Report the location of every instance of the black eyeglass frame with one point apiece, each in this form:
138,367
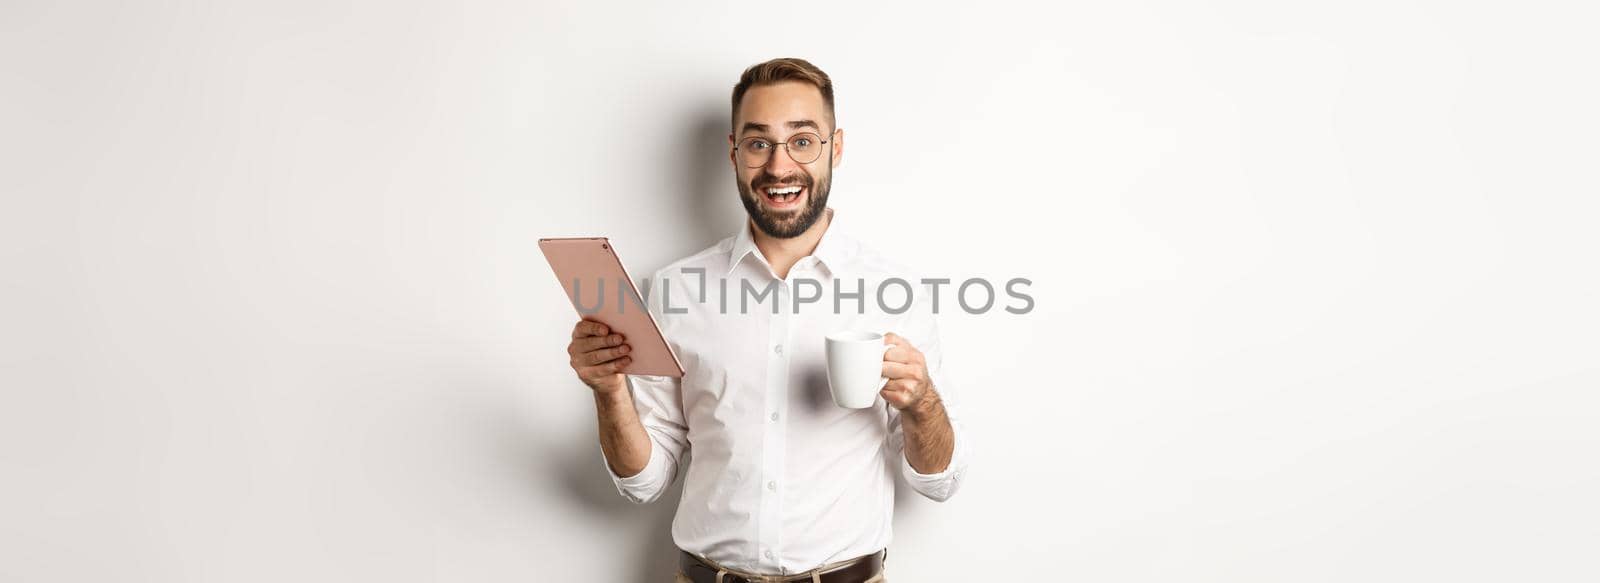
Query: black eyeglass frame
786,150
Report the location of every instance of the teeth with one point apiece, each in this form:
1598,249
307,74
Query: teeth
789,190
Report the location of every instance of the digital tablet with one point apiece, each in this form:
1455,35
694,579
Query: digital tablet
600,290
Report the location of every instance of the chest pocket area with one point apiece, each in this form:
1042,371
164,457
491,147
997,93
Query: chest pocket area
723,374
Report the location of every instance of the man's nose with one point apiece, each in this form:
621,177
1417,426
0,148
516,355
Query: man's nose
781,164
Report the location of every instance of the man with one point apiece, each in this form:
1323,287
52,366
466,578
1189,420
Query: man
783,484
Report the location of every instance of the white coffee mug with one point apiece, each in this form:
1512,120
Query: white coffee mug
855,368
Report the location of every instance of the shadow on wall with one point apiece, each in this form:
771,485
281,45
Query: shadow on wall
711,208
586,481
711,211
643,543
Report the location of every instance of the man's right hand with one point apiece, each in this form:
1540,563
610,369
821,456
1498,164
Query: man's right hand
598,356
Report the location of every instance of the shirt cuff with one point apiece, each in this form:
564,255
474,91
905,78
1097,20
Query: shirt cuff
644,486
938,486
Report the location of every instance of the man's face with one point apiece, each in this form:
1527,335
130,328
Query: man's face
777,113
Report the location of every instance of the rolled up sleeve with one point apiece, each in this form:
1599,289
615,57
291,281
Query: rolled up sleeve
938,486
656,399
922,331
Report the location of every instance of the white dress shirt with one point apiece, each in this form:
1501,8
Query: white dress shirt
781,479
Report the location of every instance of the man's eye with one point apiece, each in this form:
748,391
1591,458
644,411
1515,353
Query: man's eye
802,143
759,145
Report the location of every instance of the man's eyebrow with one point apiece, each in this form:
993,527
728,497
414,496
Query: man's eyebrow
751,126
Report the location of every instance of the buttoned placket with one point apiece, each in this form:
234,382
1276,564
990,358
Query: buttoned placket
774,443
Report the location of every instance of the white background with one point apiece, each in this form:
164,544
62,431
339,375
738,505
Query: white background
1316,285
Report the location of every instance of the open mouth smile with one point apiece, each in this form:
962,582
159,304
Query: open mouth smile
783,197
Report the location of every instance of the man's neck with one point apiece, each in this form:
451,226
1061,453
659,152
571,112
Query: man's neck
782,254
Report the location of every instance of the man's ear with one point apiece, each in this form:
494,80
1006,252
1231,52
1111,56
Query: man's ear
731,153
838,147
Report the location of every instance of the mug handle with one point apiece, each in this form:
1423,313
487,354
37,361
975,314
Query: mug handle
884,381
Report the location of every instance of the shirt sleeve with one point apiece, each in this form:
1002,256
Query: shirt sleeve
659,402
922,331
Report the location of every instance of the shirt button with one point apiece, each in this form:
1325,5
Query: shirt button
778,349
774,416
772,486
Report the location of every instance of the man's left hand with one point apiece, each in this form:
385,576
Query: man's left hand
909,388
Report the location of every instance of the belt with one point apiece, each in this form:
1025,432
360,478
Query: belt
855,570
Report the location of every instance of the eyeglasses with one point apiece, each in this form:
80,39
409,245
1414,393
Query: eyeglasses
804,148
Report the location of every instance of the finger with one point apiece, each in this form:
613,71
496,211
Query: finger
898,340
589,328
617,365
592,343
903,353
895,395
591,373
900,370
906,386
594,357
893,399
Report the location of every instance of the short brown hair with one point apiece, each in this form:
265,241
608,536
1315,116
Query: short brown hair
778,70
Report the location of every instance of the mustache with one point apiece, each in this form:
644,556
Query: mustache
768,180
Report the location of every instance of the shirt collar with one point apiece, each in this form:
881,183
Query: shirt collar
832,251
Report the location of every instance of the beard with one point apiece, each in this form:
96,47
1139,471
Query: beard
786,224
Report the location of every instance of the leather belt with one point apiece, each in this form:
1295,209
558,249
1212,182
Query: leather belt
856,570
